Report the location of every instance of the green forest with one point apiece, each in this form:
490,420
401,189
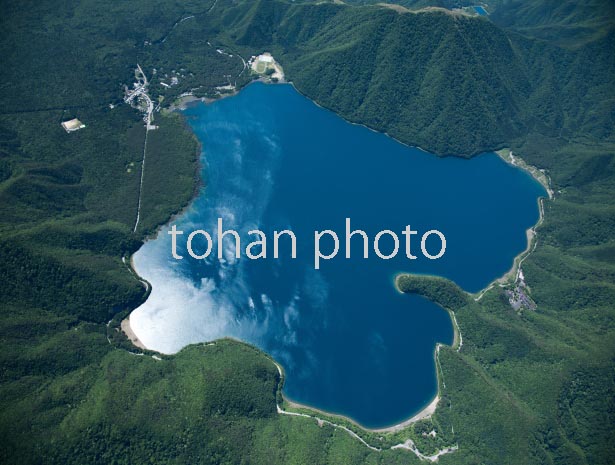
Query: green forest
527,387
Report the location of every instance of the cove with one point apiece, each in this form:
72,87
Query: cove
347,340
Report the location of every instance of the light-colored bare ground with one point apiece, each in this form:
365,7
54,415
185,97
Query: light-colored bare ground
127,330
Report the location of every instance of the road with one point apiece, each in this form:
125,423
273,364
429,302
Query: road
140,91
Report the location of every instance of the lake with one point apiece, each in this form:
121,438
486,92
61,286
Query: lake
347,340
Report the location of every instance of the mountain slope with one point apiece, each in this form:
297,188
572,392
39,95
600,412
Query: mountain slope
567,22
467,89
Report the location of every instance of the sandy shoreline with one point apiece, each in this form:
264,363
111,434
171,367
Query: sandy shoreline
127,330
427,412
424,413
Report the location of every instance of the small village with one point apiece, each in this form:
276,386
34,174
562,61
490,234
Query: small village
518,296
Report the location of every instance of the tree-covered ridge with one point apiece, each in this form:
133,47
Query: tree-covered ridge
439,290
567,23
471,87
526,388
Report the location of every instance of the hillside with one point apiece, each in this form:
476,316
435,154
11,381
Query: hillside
468,89
566,23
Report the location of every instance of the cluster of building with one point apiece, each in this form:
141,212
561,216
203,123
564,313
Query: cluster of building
518,297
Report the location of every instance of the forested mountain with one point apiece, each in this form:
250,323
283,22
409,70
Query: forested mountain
471,87
566,23
527,388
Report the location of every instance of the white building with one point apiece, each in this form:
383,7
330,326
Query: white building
72,125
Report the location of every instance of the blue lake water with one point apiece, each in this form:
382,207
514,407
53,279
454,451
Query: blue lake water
348,341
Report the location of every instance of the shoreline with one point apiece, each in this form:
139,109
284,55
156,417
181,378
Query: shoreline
513,272
183,102
531,234
127,330
428,410
457,339
424,413
539,175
